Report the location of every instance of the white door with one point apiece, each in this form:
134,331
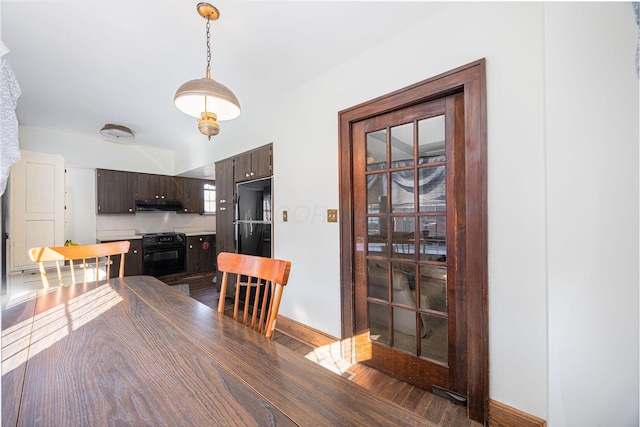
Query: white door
36,206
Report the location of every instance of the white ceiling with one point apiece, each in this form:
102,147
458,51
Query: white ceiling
82,64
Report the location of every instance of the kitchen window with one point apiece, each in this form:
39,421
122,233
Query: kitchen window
209,199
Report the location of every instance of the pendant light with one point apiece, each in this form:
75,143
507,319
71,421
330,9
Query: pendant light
205,98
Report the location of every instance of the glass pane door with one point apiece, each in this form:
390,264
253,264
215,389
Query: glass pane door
407,241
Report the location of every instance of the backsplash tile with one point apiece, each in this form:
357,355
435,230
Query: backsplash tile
154,222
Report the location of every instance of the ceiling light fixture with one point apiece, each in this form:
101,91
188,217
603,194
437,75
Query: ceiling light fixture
370,158
205,98
117,133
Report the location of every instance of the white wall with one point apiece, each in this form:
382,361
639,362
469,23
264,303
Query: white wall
80,212
94,152
592,192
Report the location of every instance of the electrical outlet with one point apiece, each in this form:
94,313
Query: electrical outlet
332,215
285,216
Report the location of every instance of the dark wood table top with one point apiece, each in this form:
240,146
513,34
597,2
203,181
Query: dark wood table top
135,352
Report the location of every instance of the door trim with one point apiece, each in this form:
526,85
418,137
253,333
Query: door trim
471,80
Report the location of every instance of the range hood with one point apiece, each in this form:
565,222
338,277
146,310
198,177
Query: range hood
146,205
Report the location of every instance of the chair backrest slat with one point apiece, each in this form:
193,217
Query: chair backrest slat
59,254
267,276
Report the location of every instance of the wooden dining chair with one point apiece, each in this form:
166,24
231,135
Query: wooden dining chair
81,256
266,276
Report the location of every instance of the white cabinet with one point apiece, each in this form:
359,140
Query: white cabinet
36,206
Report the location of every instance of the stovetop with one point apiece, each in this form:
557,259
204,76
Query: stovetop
164,233
165,238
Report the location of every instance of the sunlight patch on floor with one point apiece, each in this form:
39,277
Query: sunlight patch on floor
328,356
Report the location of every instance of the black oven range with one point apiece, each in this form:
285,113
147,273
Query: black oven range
163,253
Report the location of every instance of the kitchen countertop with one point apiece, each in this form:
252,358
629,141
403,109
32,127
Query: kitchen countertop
113,235
200,233
114,238
194,231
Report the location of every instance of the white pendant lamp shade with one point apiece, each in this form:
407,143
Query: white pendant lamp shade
199,95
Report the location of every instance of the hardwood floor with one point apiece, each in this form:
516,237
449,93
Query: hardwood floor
201,287
431,407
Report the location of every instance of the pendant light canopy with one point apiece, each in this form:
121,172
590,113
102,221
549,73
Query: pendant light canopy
205,98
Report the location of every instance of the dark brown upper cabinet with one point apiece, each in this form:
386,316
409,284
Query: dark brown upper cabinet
254,164
152,186
116,191
192,194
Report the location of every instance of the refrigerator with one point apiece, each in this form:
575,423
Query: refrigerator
253,225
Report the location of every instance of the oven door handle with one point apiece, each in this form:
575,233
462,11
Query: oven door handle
162,248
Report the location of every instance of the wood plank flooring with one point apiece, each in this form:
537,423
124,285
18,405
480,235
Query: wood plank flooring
421,402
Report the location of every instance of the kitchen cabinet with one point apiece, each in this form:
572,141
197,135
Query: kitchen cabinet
132,261
152,186
201,252
254,164
192,194
225,187
116,191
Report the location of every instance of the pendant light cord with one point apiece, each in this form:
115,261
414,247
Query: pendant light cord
208,62
208,48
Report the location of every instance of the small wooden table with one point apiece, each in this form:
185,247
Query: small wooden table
135,352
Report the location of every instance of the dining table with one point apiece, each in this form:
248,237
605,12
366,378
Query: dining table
133,351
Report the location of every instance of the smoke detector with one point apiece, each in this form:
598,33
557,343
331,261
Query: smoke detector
117,133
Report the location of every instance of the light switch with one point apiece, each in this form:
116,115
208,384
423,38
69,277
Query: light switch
285,216
332,215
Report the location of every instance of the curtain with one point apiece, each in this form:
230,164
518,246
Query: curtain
430,181
9,93
636,8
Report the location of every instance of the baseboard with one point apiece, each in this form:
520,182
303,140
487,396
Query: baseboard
304,333
501,415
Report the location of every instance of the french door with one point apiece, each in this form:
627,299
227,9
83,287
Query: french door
413,231
407,297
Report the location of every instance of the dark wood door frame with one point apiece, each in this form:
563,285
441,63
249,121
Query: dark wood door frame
470,79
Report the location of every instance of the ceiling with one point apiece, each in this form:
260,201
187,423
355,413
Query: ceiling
82,64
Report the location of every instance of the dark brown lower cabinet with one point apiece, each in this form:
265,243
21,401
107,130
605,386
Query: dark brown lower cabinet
133,260
201,252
